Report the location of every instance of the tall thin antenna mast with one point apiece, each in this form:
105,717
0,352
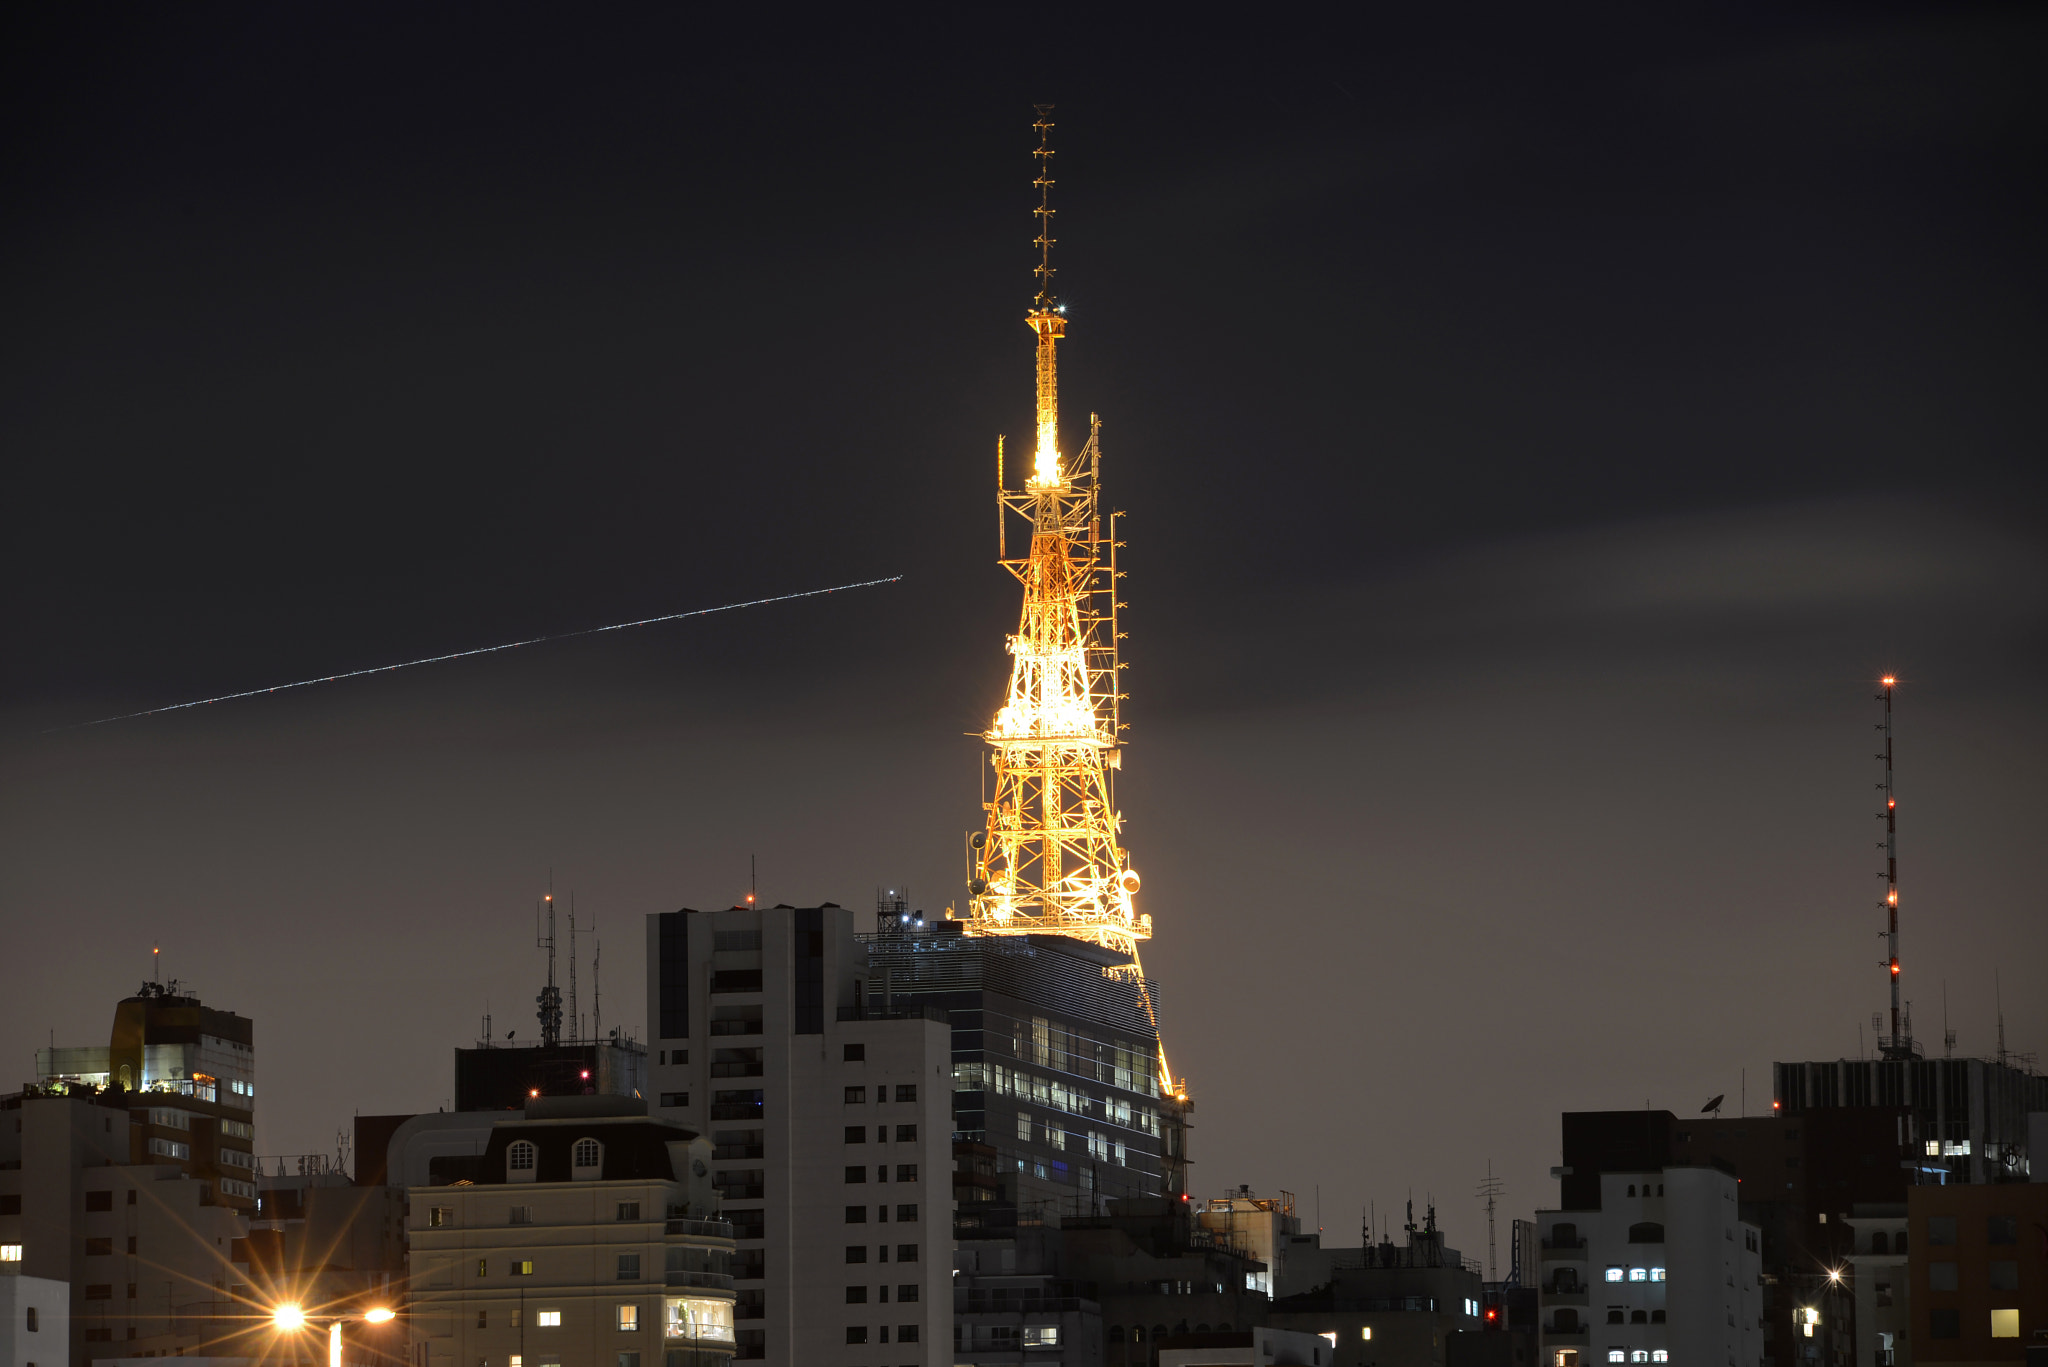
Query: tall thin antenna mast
1998,997
575,1020
596,987
1492,1188
550,998
1900,1045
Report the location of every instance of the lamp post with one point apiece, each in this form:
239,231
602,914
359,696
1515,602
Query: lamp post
291,1318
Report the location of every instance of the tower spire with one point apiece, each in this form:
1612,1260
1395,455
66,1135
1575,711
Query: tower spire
1900,1043
1048,860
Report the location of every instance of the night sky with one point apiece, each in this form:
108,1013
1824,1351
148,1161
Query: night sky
1538,431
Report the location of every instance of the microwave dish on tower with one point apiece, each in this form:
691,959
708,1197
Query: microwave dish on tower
1049,859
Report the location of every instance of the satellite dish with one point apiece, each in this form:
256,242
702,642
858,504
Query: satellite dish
1714,1105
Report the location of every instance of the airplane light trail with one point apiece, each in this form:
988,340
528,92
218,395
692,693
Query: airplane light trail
480,650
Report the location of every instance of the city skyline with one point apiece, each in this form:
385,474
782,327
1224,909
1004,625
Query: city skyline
1506,604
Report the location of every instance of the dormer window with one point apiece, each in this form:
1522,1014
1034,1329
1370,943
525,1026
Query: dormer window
519,1161
587,1160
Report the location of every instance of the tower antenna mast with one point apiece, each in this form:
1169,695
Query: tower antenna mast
1492,1188
550,998
1900,1042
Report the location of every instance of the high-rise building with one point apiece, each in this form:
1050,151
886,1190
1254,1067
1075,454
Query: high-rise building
188,1073
830,1116
1966,1118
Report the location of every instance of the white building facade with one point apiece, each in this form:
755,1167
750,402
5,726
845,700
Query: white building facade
1663,1271
37,1314
831,1128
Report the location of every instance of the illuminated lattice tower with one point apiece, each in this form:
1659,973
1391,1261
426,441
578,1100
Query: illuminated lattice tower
1048,860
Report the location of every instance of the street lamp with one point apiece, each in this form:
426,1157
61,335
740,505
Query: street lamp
291,1318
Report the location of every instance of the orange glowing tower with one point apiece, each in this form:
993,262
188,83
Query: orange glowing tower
1049,861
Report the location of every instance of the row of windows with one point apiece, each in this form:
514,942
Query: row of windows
1948,1324
1941,1230
858,1172
858,1253
858,1215
1635,1274
858,1096
1053,1135
1005,1081
1639,1355
858,1333
94,1248
858,1134
2001,1274
520,1157
625,1319
905,1293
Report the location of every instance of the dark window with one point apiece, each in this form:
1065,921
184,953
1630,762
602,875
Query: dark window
854,1053
99,1200
100,1291
1648,1232
1943,1276
857,1172
131,1243
1656,1317
2004,1274
906,1333
1632,1189
10,1205
1941,1231
1791,1162
96,1248
2002,1229
131,1198
1879,1243
906,1253
856,1333
1944,1324
807,1006
483,1319
736,980
33,1327
751,1223
1567,1322
1614,1316
629,1210
906,1091
630,1359
856,1253
1564,1236
857,1295
856,1134
856,1215
1638,1317
675,975
131,1291
1899,1244
907,1292
906,1212
906,1172
629,1267
856,1096
675,1098
905,1133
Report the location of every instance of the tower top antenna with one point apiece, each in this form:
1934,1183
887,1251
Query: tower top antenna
1900,1042
1045,211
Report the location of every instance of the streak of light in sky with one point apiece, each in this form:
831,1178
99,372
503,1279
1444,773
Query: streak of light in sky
480,650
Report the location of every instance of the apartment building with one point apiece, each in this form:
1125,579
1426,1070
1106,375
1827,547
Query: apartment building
1978,1270
587,1236
1658,1268
831,1125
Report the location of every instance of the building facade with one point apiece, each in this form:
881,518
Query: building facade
1879,1280
1977,1260
830,1117
587,1237
1394,1303
1660,1268
36,1314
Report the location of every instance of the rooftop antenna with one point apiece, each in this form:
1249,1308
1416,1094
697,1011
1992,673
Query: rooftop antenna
1492,1188
1900,1045
753,881
1998,996
550,998
596,990
575,1020
156,964
1948,1036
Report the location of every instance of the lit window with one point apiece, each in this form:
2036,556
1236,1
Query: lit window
548,1319
695,1317
1616,1355
1660,1355
1366,1333
1934,1148
629,1319
1639,1355
1615,1274
515,1361
586,1155
10,1253
1639,1274
523,1267
2005,1324
1048,1335
519,1158
1656,1274
441,1215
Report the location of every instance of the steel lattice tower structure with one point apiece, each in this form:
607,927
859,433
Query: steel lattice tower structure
1899,1044
1048,861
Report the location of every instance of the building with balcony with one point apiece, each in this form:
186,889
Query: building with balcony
1878,1278
587,1235
1657,1267
1398,1303
829,1112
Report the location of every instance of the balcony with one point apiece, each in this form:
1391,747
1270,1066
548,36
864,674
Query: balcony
1567,1337
735,1070
735,1193
724,1151
735,1027
1577,1295
1555,1250
702,1229
716,1281
737,1110
736,980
